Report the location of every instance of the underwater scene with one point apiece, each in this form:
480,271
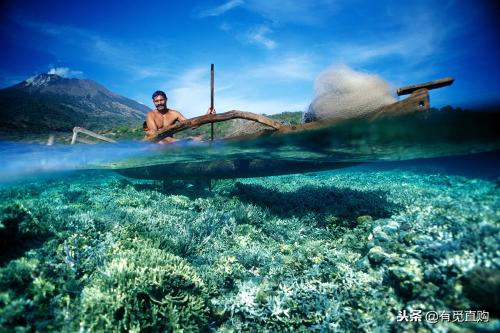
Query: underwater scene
253,166
380,226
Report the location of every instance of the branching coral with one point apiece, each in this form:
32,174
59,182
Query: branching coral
143,288
340,251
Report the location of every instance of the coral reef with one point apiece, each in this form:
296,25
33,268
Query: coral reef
143,288
482,286
323,252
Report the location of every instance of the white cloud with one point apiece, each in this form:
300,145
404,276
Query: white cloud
288,67
221,9
98,49
280,11
64,72
275,14
292,11
414,38
190,94
258,36
128,58
412,50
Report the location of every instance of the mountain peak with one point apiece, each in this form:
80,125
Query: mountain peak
42,80
60,85
52,102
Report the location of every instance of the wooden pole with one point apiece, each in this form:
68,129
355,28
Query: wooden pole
75,133
212,99
427,85
77,130
208,118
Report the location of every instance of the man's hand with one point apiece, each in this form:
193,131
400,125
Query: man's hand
150,133
167,140
211,111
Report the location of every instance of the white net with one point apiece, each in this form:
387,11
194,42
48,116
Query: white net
342,93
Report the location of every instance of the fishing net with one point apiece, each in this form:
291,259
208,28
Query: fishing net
342,93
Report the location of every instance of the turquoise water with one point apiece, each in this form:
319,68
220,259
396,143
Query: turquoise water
409,137
85,249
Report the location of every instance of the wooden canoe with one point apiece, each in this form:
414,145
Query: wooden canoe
417,102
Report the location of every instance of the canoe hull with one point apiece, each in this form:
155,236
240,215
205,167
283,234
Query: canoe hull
227,169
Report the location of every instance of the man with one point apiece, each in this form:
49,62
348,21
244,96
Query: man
163,117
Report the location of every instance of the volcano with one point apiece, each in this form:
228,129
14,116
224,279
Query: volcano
49,102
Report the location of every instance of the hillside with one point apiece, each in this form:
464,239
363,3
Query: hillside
48,102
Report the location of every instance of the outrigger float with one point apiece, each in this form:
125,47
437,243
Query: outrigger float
417,102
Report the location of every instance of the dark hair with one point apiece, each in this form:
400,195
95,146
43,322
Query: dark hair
159,93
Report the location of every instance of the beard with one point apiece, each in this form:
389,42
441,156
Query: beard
161,107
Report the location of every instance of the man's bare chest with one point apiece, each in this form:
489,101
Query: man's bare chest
164,120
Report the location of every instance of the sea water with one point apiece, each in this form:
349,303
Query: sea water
407,240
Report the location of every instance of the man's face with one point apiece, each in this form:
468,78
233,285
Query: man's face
160,103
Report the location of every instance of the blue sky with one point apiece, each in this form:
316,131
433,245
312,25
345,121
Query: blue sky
267,54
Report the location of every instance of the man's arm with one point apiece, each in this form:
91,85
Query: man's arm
180,117
209,111
150,122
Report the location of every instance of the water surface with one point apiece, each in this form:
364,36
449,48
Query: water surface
415,227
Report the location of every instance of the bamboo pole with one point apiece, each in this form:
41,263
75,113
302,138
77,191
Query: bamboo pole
212,99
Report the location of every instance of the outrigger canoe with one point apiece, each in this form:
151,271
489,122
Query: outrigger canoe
416,103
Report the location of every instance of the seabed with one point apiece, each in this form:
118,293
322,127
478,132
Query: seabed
341,251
